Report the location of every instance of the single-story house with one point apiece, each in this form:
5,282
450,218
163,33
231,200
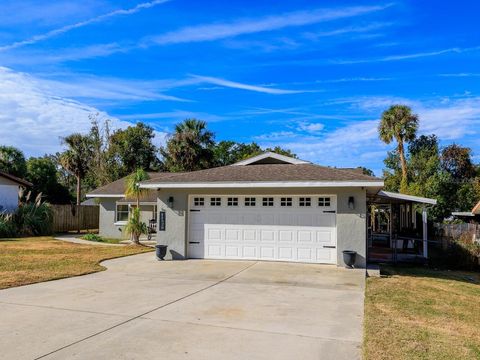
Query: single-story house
9,189
268,207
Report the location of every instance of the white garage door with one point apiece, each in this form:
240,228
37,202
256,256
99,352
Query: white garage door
281,228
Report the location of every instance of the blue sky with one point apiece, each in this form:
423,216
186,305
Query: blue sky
310,76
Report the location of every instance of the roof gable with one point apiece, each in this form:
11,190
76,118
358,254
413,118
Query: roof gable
15,179
270,158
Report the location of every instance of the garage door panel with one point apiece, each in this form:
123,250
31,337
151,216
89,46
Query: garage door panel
232,235
305,236
324,237
250,235
292,233
232,251
325,255
267,235
286,236
214,251
250,252
285,253
267,252
304,254
214,234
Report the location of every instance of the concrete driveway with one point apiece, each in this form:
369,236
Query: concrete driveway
144,309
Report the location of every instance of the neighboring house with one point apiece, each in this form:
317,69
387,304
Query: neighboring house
9,189
269,207
469,216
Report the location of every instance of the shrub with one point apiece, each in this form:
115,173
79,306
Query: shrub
33,218
29,219
7,226
93,237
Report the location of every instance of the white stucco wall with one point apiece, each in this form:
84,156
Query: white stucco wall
8,195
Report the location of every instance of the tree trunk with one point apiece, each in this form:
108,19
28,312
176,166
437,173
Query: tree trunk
79,190
136,239
403,163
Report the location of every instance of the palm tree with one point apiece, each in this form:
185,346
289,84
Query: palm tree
135,227
190,147
77,158
132,187
399,123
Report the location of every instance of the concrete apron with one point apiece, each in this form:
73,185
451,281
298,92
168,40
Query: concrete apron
144,309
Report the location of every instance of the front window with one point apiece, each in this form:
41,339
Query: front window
122,213
286,201
232,201
250,201
215,201
198,201
324,201
305,201
267,201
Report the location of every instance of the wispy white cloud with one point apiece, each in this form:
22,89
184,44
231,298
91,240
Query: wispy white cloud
174,116
311,127
463,74
80,24
216,31
318,35
104,88
454,50
35,120
237,85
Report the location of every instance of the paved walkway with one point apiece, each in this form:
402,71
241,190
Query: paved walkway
141,308
76,240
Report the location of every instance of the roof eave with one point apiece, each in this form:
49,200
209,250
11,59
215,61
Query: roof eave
104,195
261,184
418,199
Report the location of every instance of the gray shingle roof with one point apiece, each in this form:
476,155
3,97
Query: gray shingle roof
264,173
118,188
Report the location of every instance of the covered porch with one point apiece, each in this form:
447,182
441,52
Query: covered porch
397,227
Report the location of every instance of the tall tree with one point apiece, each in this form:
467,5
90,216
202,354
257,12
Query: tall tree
457,161
77,158
12,161
399,123
132,148
189,148
100,173
43,174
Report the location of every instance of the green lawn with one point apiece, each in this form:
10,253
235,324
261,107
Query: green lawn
36,259
417,313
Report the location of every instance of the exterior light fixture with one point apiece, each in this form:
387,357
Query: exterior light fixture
351,202
170,201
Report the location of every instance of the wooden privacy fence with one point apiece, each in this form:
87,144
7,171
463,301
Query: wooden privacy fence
74,217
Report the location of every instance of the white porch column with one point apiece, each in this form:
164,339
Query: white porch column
425,235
